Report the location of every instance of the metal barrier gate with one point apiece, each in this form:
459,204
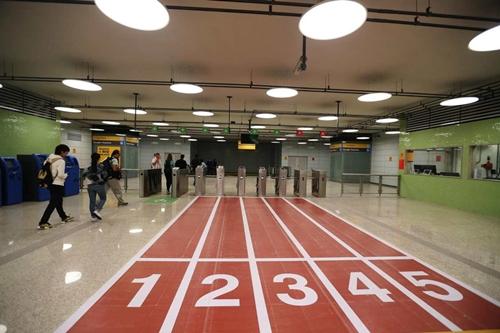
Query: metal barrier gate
149,182
261,182
240,182
319,183
199,181
280,188
180,182
220,180
300,183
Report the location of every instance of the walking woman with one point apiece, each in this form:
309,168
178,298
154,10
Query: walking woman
169,164
97,176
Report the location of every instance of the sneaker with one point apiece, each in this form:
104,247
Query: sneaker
122,203
68,219
97,214
44,226
93,219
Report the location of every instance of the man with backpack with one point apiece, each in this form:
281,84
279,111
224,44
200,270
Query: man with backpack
112,166
53,176
97,176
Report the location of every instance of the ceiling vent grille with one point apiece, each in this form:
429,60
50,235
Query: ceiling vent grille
23,101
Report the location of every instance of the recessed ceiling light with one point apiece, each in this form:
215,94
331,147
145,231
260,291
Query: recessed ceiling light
280,139
108,122
374,97
387,120
258,126
152,135
218,137
363,138
96,129
459,101
66,109
185,136
326,136
135,130
265,115
332,19
275,142
313,140
137,111
350,130
141,15
302,143
305,128
392,132
290,135
185,88
281,92
328,118
82,85
164,139
192,139
211,125
119,134
161,124
63,121
488,40
221,140
203,113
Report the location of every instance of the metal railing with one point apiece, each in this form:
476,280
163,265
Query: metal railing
357,178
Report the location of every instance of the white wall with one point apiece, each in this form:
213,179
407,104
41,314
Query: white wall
80,143
318,155
385,158
148,147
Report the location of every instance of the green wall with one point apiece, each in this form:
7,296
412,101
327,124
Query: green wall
24,134
479,196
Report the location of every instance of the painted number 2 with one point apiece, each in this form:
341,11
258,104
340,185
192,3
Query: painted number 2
210,299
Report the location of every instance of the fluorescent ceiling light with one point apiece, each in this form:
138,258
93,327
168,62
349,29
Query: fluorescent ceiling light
97,129
63,121
374,97
305,128
275,142
82,85
152,135
363,138
148,15
66,109
459,101
350,130
203,113
185,88
137,111
218,137
107,122
488,40
193,140
161,124
221,140
280,139
332,19
326,136
135,130
265,115
164,139
302,143
387,120
119,134
392,132
211,125
281,92
328,118
185,136
258,126
313,140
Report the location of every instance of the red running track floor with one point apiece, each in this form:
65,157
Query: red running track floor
277,265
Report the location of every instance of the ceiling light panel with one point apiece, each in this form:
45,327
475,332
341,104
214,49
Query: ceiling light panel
147,15
350,130
211,125
108,122
265,115
161,124
258,126
328,118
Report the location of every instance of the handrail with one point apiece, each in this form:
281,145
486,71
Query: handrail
361,175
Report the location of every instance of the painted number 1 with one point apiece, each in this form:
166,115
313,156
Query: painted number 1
148,284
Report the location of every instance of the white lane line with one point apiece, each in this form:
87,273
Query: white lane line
260,301
350,314
446,275
99,293
173,311
429,309
273,259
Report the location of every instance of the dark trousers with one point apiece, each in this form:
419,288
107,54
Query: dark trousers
56,202
169,181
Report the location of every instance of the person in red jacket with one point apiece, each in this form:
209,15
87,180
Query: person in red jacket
488,166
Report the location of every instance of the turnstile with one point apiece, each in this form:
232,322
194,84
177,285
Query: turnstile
200,184
149,182
240,183
220,180
319,183
261,182
281,182
300,183
12,181
180,182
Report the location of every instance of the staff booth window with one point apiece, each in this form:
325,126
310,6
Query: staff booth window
435,161
485,162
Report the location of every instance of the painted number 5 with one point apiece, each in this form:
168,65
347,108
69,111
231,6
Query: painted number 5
452,295
310,296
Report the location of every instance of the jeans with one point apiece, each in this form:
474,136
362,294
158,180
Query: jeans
56,202
94,190
169,181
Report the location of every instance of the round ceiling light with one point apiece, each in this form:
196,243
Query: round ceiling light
161,124
152,135
135,130
211,125
374,97
326,136
96,129
221,140
392,132
302,143
488,40
363,138
265,115
275,142
305,128
107,122
313,140
203,113
290,135
387,120
185,136
193,140
82,85
350,130
218,137
66,109
258,126
328,118
136,111
164,139
459,101
280,139
64,121
186,88
147,15
119,134
281,92
326,144
332,19
1,85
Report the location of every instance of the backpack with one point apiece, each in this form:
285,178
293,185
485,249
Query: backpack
109,170
44,175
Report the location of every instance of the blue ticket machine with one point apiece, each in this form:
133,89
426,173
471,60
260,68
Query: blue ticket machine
31,164
72,184
12,181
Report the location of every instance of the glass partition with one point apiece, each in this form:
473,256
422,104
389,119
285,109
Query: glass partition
435,161
485,160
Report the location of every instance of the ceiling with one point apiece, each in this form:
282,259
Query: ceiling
54,40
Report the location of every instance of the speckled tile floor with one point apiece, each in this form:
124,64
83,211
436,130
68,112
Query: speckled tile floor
46,275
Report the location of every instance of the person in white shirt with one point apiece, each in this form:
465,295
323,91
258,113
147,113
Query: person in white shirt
156,161
56,189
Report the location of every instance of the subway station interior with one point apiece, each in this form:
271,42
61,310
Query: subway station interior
249,166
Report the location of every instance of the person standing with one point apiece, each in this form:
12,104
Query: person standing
169,164
98,176
156,161
56,188
113,164
181,163
488,166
